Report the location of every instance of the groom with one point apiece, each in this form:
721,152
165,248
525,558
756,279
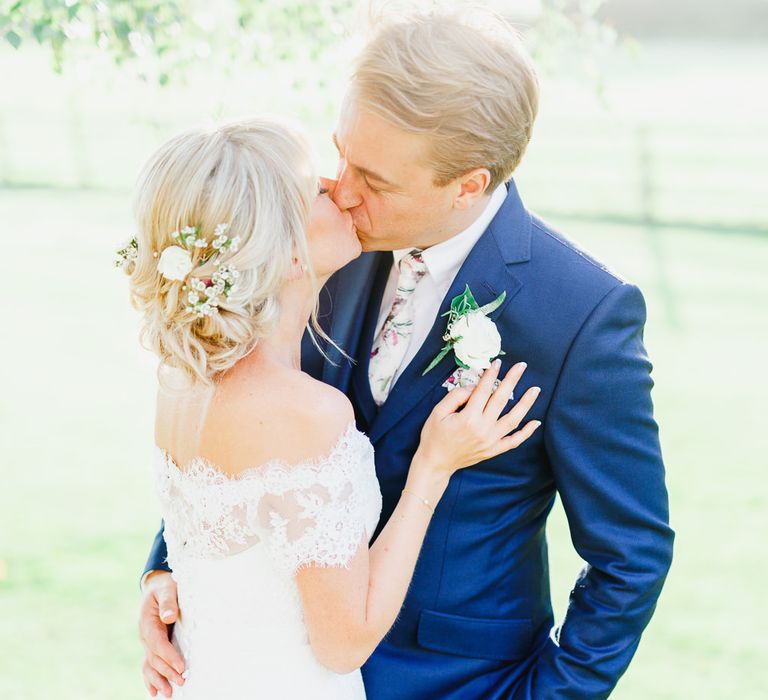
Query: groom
437,117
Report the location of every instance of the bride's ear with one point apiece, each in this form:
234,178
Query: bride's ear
297,269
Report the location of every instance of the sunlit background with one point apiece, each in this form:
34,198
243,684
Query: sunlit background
651,151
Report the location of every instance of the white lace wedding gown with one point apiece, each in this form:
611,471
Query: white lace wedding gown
234,545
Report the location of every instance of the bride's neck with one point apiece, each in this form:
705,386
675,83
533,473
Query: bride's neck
283,345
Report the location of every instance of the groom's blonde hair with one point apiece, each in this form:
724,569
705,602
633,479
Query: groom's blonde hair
462,79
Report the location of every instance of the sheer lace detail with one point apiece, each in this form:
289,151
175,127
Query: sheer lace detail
316,512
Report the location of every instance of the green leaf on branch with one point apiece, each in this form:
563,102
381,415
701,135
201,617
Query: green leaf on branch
13,39
470,299
42,30
446,349
464,303
495,304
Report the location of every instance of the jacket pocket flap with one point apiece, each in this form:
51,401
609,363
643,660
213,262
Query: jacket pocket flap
473,637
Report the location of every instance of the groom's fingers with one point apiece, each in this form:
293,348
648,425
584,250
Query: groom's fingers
154,681
154,637
160,648
162,668
167,605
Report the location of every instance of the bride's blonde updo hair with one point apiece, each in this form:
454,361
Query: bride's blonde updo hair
257,176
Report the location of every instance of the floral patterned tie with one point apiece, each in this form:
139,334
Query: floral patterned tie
391,343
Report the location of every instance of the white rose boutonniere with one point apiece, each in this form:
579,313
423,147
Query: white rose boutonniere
472,336
476,340
175,263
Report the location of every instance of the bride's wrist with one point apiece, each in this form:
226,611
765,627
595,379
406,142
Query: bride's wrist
426,482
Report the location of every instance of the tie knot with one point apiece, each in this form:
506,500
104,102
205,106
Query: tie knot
413,264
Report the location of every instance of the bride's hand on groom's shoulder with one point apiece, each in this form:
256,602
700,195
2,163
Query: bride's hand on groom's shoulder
467,427
159,609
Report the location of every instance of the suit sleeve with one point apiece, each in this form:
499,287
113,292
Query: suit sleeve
158,555
603,446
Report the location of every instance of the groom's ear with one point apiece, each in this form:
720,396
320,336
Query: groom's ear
472,187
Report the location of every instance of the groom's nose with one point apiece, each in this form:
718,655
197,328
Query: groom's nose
346,194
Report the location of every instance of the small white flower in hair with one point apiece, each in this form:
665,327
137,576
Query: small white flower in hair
175,263
127,255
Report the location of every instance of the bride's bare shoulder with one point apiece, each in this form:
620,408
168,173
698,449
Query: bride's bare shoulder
287,416
320,408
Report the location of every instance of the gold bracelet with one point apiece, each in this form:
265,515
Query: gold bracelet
423,501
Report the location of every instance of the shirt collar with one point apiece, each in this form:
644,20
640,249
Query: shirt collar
444,259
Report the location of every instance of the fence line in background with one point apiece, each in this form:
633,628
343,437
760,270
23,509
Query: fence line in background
605,172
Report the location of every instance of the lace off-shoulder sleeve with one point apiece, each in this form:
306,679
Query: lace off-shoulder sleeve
319,513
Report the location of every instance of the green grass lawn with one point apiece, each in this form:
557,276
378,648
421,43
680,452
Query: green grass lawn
77,511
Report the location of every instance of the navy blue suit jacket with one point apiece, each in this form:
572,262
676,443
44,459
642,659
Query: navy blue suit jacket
477,621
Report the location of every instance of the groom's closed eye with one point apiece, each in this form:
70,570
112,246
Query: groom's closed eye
381,183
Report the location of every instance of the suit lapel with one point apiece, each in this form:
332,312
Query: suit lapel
487,271
351,292
360,374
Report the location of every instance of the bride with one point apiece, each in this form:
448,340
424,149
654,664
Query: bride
268,491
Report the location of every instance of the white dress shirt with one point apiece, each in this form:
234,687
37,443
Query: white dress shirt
443,263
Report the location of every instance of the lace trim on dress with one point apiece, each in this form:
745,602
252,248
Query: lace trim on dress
314,512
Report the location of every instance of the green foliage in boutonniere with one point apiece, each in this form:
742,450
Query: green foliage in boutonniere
472,336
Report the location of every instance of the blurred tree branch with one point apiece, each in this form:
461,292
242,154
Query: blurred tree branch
172,33
575,27
162,37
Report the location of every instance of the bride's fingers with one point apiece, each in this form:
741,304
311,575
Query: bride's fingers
500,397
451,402
482,392
509,422
518,438
164,669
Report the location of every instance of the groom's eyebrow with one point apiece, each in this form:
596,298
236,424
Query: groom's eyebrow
370,174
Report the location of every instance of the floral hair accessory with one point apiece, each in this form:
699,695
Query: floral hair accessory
206,295
127,255
175,263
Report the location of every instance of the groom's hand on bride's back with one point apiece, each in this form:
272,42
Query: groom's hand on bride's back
159,609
